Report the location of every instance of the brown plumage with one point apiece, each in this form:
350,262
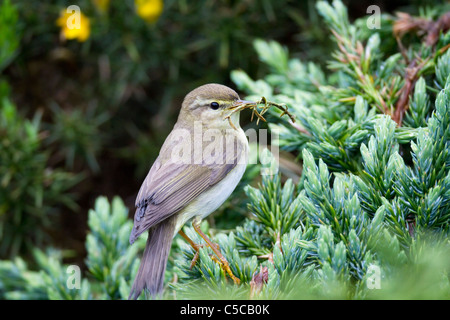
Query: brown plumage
174,192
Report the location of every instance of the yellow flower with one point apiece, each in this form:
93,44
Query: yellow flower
74,25
149,10
101,5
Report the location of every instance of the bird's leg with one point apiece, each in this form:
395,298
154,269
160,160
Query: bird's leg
215,248
194,245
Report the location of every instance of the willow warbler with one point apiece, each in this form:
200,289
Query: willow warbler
198,167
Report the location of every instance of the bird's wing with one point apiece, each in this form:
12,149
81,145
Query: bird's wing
169,187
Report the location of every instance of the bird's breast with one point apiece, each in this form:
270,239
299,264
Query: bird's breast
211,199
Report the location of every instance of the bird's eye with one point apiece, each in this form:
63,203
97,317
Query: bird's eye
214,105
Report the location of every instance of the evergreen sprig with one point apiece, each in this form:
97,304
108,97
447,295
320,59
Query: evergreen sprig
112,263
110,258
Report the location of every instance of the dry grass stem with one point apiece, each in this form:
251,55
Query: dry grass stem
259,113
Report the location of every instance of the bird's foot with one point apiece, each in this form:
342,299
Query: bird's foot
225,267
220,259
216,249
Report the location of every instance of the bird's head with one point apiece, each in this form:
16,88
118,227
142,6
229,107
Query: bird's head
210,104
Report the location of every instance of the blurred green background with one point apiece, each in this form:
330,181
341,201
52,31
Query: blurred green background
86,117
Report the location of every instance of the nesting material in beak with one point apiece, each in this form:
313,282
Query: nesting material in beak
239,105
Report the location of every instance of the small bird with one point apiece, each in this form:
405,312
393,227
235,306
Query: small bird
198,167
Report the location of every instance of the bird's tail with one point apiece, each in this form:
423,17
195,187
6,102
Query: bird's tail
153,263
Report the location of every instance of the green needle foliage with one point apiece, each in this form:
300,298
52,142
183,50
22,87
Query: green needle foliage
30,191
374,194
107,245
111,263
